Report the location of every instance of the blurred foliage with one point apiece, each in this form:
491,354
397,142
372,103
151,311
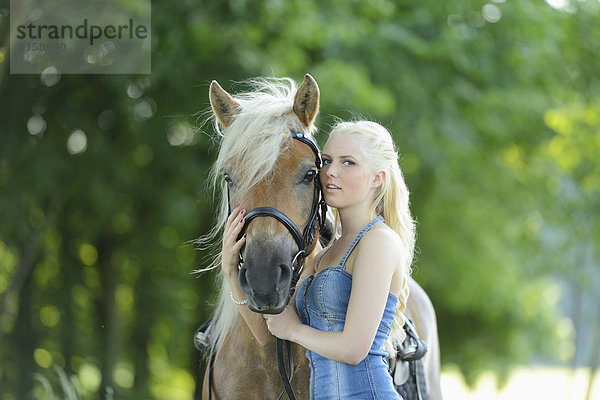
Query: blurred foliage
494,107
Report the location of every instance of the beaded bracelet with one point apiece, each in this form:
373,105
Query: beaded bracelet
239,303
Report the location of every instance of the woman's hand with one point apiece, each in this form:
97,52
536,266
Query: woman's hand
231,246
285,324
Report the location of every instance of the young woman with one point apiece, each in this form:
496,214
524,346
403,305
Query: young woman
348,309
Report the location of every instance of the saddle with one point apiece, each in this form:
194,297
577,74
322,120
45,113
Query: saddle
407,367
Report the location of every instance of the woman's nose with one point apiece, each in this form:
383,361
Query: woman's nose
330,170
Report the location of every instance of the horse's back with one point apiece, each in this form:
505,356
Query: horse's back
420,310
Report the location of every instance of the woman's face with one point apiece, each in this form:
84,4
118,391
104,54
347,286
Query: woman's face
345,176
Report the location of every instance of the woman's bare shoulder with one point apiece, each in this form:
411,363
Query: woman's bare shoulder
381,239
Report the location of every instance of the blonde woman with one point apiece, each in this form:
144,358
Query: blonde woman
349,307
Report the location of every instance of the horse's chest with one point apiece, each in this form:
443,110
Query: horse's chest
253,374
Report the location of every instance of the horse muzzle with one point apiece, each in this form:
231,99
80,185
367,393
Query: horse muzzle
266,277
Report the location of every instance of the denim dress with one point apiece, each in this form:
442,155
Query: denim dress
322,302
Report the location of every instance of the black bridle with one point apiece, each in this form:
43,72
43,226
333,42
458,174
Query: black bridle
304,241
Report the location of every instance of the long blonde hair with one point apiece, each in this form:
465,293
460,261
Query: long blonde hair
390,201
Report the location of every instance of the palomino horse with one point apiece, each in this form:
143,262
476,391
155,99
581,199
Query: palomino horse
263,166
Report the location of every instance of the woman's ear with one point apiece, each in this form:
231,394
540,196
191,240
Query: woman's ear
378,179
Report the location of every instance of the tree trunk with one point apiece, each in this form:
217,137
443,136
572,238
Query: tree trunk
27,261
111,342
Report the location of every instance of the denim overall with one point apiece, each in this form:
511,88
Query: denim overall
322,302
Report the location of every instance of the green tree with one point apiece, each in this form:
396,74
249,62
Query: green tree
493,106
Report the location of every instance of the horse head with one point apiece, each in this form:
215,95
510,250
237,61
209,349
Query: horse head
274,177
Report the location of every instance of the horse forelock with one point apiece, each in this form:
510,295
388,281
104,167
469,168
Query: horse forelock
250,147
251,144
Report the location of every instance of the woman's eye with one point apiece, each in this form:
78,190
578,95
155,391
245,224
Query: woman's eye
310,175
326,161
348,162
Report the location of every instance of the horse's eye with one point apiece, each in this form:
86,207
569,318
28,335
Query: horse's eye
227,177
310,175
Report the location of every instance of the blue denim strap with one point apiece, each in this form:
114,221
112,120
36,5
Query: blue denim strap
377,219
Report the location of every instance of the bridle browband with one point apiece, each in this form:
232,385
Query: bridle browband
304,241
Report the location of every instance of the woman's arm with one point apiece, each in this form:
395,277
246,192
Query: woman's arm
374,267
229,265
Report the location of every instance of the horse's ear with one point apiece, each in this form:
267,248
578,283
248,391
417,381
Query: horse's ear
306,101
223,105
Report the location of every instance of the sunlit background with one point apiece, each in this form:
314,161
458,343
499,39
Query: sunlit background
494,106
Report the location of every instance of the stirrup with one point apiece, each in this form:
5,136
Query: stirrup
413,348
202,336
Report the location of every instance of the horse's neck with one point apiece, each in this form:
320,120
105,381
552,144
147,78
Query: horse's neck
241,337
244,369
242,353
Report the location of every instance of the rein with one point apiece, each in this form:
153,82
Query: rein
304,240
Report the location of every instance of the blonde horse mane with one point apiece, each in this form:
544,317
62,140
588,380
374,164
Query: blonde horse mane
249,148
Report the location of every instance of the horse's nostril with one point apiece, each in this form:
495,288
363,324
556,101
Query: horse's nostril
243,280
285,272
